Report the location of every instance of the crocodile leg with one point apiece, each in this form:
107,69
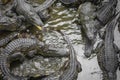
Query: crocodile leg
116,48
16,56
9,24
54,52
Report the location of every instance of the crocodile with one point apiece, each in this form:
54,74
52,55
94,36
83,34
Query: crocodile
92,21
44,5
86,17
20,44
26,10
107,56
10,24
41,9
9,21
30,46
106,11
38,9
8,38
74,68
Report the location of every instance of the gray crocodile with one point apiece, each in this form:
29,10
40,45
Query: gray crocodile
10,24
6,72
27,11
86,18
16,23
8,38
17,45
44,5
25,45
106,11
42,8
74,67
107,55
111,61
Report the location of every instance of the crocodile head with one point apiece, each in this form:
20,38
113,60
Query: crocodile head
89,31
86,16
35,20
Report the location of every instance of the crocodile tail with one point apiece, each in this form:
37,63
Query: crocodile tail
3,67
6,74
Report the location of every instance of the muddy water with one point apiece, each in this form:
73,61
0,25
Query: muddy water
63,18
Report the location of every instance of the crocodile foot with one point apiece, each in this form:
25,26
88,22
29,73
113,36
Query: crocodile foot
16,56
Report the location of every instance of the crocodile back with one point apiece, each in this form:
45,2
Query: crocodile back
20,44
8,38
26,10
71,72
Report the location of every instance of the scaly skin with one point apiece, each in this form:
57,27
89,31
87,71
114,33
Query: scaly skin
107,57
44,6
107,11
16,45
8,38
26,10
74,66
24,45
111,60
86,20
100,58
6,72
